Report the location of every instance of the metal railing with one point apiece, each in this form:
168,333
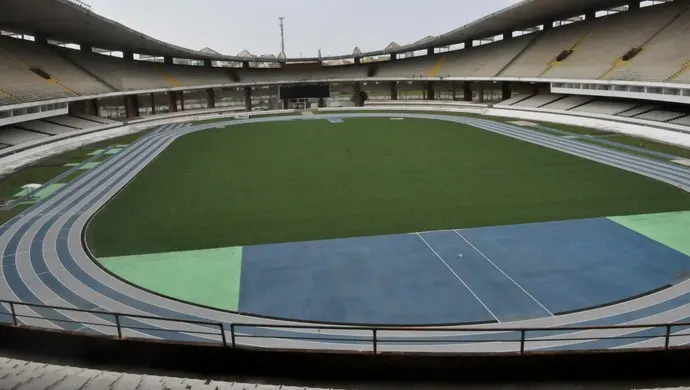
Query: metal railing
363,339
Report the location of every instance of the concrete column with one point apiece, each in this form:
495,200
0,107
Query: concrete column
248,98
152,97
286,104
358,60
480,94
245,64
590,15
92,107
394,56
41,39
469,43
548,25
430,51
507,35
634,5
127,55
535,89
430,93
505,91
467,91
168,60
358,94
180,94
131,106
453,86
86,48
210,98
208,63
322,103
172,101
394,90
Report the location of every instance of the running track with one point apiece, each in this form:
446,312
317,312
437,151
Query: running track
44,261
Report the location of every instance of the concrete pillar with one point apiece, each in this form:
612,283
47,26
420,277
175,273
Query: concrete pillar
358,60
430,93
358,94
507,35
245,64
634,5
91,107
430,51
394,90
505,91
548,25
480,94
180,94
469,43
172,101
453,86
168,60
41,39
208,63
535,89
210,98
467,91
322,103
131,106
286,104
394,56
127,55
152,97
86,48
248,98
590,15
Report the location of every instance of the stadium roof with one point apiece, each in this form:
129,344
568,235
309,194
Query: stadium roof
63,20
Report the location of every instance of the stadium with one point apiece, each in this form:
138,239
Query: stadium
504,201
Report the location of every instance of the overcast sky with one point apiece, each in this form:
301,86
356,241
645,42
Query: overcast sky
229,26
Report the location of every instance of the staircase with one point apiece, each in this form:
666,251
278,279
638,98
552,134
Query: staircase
59,52
571,49
521,53
686,66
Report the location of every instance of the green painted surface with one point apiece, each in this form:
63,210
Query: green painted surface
41,193
88,165
208,277
670,229
109,151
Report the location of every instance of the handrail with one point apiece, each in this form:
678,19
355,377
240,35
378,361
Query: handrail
375,331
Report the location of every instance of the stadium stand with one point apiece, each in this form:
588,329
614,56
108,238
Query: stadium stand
610,38
539,100
44,127
513,100
664,57
606,107
569,102
660,115
13,136
97,120
684,121
332,72
64,76
638,110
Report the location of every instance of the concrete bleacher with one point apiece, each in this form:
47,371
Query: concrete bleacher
609,38
72,80
538,100
664,56
684,121
661,115
568,102
97,119
13,136
638,110
331,72
44,127
70,121
606,107
25,375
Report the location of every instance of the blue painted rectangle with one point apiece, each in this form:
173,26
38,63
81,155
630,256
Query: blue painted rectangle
385,280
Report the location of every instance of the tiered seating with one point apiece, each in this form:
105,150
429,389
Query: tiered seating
45,127
545,49
70,121
19,81
97,120
638,110
482,61
14,136
5,98
606,107
685,121
660,115
513,100
72,78
569,102
610,38
538,100
663,56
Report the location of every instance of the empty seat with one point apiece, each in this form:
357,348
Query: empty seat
606,107
14,136
568,103
538,100
638,110
660,115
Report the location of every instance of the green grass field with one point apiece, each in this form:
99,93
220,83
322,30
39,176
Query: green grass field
305,180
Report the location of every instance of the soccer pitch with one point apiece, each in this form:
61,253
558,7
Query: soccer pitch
311,179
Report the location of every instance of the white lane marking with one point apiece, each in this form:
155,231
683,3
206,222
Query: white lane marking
504,274
458,277
459,254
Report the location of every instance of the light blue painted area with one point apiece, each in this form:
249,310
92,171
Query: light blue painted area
335,120
507,273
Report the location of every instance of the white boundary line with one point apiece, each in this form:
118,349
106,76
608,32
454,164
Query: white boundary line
458,277
504,274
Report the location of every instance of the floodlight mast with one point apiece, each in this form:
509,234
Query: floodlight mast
282,35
